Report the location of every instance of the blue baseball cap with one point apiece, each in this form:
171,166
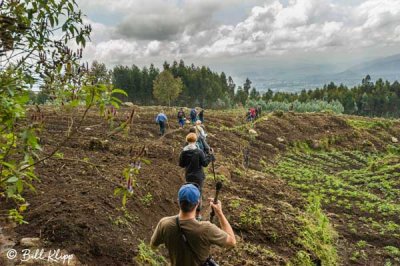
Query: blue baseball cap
189,193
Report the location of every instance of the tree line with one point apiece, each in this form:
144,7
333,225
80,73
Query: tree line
379,98
200,86
208,89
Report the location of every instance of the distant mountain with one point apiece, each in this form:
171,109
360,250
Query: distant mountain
387,68
382,66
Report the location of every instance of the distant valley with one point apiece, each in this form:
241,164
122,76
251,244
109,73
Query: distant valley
311,77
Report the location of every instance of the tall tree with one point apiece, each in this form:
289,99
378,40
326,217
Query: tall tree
100,73
166,88
254,94
247,86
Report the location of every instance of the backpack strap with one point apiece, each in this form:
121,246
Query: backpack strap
185,240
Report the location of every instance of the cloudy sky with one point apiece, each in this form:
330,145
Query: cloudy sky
241,36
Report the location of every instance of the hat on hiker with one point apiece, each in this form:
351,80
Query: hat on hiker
191,138
189,193
198,122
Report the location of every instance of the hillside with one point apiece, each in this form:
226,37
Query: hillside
350,164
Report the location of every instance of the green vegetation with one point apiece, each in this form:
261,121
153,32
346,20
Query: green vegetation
124,220
363,186
381,98
394,252
166,88
147,199
316,236
251,216
262,254
300,107
33,38
235,203
148,256
371,99
218,177
370,124
201,86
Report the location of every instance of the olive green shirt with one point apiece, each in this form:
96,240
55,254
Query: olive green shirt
200,235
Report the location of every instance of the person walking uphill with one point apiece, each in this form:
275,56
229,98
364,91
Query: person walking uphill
200,143
193,160
188,241
161,119
181,117
193,116
201,116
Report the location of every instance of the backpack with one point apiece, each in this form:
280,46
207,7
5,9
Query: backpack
193,113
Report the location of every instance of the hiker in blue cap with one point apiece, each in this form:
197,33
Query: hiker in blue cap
188,241
161,119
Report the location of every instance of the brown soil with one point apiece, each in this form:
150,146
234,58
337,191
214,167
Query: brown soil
74,207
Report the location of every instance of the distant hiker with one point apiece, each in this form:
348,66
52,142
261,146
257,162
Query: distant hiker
161,119
181,118
193,116
193,160
253,113
201,116
201,142
259,109
248,116
188,241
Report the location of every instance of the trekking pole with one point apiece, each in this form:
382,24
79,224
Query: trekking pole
218,187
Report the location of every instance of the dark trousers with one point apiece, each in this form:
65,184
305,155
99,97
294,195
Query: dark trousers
162,127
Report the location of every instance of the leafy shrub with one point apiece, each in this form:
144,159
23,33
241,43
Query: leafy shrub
254,103
393,251
147,256
303,107
147,199
251,216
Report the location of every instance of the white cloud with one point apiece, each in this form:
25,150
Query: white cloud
166,29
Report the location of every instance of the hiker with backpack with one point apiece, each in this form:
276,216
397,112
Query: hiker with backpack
188,241
181,118
193,116
201,142
161,120
200,130
193,160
